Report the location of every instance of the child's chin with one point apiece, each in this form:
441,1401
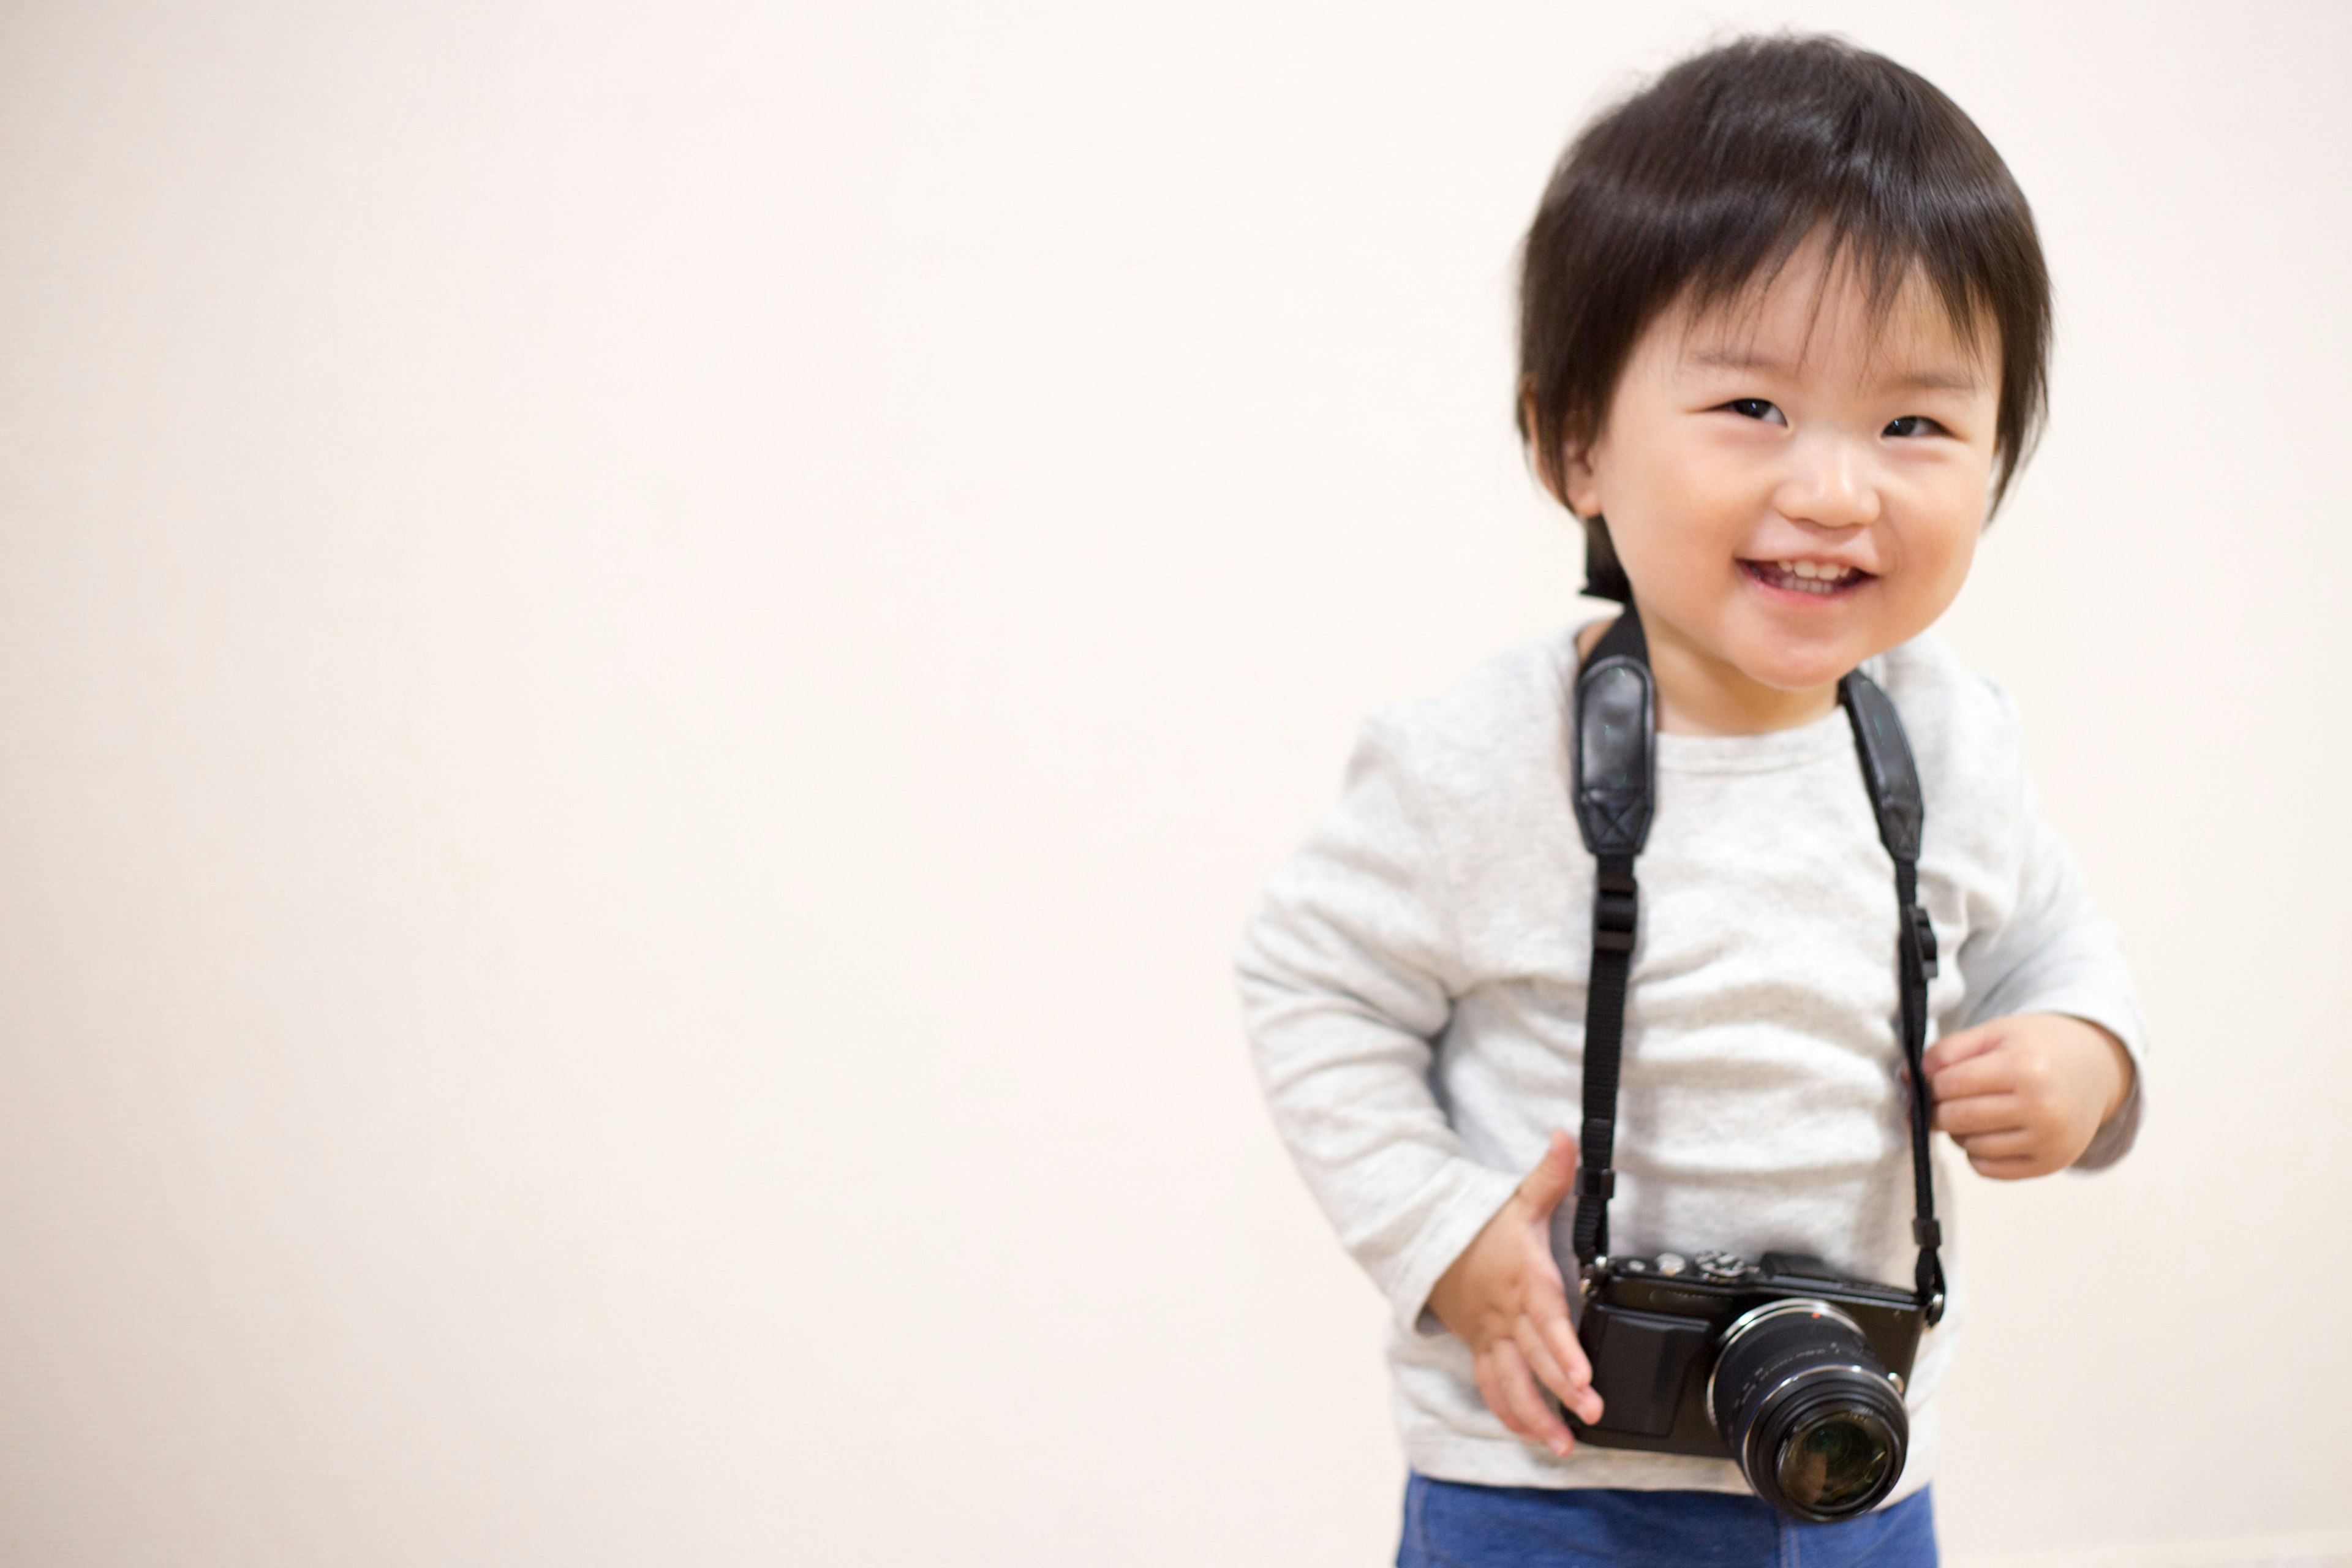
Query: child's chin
1801,670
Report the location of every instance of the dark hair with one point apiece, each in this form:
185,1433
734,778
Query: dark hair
1708,180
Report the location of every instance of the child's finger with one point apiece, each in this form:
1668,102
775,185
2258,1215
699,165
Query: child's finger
1541,1359
1538,1422
1558,1336
1980,1114
1552,1177
2009,1144
1490,1389
1573,1390
2015,1169
1986,1074
1959,1047
1569,1384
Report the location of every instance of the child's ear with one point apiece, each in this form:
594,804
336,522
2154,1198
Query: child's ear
1565,469
1580,482
1554,465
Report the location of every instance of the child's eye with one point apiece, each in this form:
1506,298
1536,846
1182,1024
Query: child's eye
1757,408
1912,425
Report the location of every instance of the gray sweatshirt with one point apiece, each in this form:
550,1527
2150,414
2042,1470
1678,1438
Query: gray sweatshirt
1413,985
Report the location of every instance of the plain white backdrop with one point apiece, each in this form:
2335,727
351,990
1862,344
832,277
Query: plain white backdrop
648,656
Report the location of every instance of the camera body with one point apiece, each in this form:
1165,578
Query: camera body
1784,1365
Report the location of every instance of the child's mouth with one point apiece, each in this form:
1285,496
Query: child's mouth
1818,578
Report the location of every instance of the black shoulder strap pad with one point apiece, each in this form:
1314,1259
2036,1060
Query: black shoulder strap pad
1614,746
1888,773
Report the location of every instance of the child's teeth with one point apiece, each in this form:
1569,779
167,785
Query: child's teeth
1814,576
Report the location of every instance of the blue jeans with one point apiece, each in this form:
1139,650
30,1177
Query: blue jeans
1448,1524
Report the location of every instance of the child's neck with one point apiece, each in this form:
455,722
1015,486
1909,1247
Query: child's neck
1699,694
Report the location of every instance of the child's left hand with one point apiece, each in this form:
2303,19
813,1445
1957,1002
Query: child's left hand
2023,1095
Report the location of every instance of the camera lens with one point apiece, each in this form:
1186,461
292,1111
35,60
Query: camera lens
1806,1407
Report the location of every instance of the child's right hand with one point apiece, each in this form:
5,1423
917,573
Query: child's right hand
1504,1297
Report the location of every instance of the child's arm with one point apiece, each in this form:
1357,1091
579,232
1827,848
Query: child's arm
1348,974
2046,1071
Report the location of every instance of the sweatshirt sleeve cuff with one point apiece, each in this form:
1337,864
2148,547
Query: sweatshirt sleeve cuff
1465,1195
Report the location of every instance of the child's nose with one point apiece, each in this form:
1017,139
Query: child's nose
1830,484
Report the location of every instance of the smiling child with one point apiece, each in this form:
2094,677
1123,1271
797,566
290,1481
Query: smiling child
1783,333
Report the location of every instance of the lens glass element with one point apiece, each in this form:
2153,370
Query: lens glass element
1840,1461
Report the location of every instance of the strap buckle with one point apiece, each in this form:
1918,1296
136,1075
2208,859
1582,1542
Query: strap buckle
1923,936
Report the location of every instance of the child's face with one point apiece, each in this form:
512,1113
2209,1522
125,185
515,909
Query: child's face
1791,491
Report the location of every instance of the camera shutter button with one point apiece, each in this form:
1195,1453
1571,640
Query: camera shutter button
1671,1263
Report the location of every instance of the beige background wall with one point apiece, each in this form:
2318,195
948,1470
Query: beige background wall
647,655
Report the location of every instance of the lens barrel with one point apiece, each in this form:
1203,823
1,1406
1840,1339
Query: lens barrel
1807,1411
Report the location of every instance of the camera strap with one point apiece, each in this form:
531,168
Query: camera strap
1612,746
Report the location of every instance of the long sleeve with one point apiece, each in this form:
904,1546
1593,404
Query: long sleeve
1346,975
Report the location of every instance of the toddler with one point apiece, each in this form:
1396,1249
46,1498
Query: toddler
1784,321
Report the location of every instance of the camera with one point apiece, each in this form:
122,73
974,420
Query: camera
1785,1366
